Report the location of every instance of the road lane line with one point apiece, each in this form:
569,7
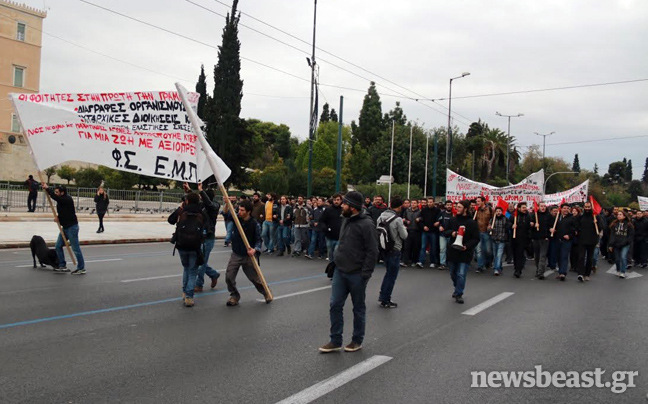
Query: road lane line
144,304
629,275
111,259
151,278
488,303
326,386
296,293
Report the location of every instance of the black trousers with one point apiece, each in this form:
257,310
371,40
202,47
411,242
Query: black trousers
31,201
101,216
412,247
585,255
519,253
640,251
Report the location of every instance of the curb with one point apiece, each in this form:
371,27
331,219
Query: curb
94,242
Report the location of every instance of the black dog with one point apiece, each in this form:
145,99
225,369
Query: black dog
46,256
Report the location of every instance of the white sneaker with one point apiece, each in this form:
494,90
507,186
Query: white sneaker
432,266
419,264
622,276
618,273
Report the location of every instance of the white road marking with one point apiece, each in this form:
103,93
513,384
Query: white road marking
151,278
629,275
297,293
326,386
488,303
110,259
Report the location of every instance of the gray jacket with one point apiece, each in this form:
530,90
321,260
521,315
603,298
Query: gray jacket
411,216
357,250
397,229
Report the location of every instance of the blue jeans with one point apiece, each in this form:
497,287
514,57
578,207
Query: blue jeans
484,250
621,257
458,271
498,254
595,256
343,285
331,245
268,235
443,248
283,237
72,234
392,266
563,249
229,226
188,260
552,254
205,269
317,240
431,238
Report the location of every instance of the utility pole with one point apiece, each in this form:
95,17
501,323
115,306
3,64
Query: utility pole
544,139
391,162
434,165
311,121
409,173
449,142
427,141
508,142
338,176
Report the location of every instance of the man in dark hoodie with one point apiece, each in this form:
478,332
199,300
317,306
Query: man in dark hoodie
640,239
355,260
564,233
589,227
540,238
521,232
331,220
459,258
429,234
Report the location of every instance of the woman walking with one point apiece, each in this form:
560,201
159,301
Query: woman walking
621,235
101,201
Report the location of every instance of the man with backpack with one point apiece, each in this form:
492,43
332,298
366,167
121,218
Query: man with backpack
391,234
188,237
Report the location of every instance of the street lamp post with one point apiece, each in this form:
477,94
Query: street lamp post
311,121
449,142
544,188
508,142
544,139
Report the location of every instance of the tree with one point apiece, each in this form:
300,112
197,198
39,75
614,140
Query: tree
635,189
628,171
325,117
52,170
616,172
201,88
370,121
596,169
644,179
324,182
334,117
226,132
66,172
576,165
274,179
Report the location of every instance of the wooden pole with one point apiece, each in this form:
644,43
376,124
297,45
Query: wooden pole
537,226
42,180
555,224
595,223
515,224
203,143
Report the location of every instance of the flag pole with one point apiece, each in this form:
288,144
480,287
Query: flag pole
203,143
42,180
515,224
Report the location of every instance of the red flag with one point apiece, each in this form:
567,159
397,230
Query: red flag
562,202
596,208
515,212
463,197
454,211
501,203
535,205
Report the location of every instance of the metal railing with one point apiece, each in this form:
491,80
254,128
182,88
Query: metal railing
14,197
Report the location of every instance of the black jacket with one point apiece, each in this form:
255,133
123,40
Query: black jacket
252,231
641,229
523,231
331,221
375,212
587,234
444,219
621,234
64,208
429,216
470,239
287,216
102,202
357,250
566,226
545,221
210,209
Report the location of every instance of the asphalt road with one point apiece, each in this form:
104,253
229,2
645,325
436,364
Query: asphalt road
121,335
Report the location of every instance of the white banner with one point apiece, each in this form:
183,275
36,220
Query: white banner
528,190
643,203
146,133
574,195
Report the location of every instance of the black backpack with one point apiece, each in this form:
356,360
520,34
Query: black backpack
189,231
385,240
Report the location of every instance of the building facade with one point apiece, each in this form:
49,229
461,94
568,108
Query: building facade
20,63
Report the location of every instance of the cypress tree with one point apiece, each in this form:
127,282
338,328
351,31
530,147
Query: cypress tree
201,88
576,166
370,121
325,117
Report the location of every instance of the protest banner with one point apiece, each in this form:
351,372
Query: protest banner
146,133
459,187
577,194
643,203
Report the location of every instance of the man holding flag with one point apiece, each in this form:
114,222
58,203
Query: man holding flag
589,227
540,225
521,232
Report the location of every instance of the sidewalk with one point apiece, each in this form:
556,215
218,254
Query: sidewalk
17,229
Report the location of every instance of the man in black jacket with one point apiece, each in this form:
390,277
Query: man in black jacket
331,221
429,226
68,220
210,209
355,260
540,238
459,258
285,224
564,233
588,227
641,239
521,231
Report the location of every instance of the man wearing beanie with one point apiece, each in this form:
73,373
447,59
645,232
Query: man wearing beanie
459,256
398,233
355,259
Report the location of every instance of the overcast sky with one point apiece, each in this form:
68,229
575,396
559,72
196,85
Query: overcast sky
506,45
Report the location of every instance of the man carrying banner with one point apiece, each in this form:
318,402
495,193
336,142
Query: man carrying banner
483,215
68,220
464,237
